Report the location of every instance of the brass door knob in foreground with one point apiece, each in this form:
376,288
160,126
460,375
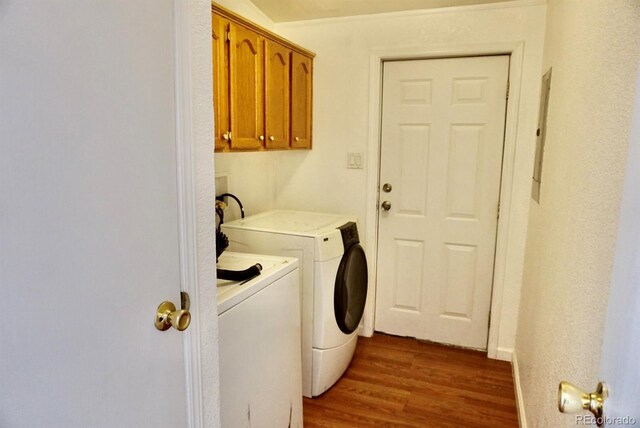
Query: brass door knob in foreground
572,399
386,206
167,316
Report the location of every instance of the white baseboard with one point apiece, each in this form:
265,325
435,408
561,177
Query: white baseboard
522,418
504,354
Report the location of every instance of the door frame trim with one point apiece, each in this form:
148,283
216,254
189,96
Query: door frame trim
186,193
516,52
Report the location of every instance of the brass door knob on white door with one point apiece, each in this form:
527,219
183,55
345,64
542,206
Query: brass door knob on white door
168,316
572,399
386,206
386,188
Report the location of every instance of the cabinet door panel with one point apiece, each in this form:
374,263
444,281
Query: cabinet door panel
220,49
277,95
247,91
301,99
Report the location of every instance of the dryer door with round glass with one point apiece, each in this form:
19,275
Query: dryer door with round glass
350,293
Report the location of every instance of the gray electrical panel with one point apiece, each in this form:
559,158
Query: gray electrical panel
541,134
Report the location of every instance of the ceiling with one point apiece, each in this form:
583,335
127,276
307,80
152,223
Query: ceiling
300,10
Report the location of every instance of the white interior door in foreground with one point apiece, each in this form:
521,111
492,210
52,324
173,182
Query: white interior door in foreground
621,348
441,156
89,215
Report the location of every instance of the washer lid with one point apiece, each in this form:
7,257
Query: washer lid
230,293
300,223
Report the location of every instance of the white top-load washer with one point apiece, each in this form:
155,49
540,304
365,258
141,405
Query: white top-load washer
333,280
259,343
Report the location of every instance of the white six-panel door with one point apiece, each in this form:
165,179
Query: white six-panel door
442,141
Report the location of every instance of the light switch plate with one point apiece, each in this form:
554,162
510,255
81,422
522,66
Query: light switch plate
355,160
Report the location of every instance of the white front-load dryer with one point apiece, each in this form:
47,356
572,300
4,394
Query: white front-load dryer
340,292
333,279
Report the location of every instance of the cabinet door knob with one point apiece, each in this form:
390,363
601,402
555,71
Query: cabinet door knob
296,138
272,138
261,138
225,136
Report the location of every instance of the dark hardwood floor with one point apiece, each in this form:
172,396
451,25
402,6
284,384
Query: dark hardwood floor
400,382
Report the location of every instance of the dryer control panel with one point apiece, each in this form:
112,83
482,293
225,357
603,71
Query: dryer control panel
349,233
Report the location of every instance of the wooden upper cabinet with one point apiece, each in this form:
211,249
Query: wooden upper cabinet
301,101
247,90
221,101
277,73
262,87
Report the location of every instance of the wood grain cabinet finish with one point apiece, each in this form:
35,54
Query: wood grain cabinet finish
277,82
301,92
220,49
247,90
262,87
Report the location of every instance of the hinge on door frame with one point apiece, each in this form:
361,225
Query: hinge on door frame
498,209
508,86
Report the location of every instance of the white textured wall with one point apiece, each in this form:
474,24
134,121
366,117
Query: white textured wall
593,47
319,179
202,137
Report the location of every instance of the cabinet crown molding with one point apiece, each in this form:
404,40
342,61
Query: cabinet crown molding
234,17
